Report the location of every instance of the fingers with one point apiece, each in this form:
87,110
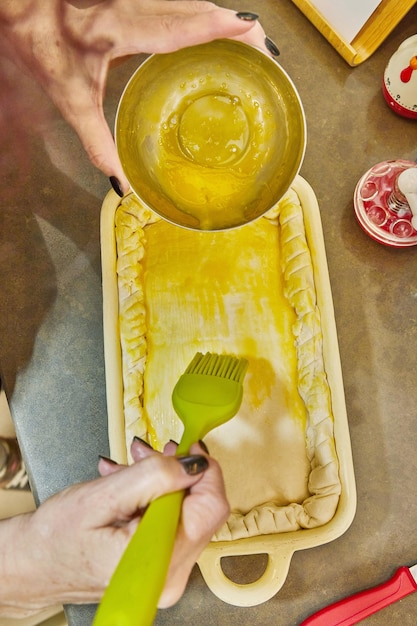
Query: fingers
140,449
181,24
254,37
127,491
210,491
107,466
170,448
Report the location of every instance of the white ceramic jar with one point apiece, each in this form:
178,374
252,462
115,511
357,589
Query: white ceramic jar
400,79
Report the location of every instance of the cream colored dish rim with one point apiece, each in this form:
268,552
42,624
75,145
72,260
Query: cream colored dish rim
279,547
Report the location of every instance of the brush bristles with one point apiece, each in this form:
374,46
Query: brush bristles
208,364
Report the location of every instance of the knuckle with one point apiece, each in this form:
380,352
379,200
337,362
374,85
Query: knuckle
204,5
159,472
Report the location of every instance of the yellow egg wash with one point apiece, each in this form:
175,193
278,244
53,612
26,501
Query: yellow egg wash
222,292
210,150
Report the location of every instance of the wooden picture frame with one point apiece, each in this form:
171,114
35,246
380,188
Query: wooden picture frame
373,32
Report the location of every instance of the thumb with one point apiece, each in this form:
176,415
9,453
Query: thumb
188,24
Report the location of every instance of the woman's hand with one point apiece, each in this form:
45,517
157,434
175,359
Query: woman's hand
68,46
67,550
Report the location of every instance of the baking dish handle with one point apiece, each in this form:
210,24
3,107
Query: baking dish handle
250,594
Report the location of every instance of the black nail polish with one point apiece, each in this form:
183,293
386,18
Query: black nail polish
271,47
247,16
142,442
194,464
115,183
107,459
203,446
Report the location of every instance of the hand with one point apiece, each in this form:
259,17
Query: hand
68,47
67,550
205,509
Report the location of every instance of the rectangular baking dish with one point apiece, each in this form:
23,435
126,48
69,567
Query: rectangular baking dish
273,526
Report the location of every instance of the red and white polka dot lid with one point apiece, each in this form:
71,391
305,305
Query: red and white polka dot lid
385,199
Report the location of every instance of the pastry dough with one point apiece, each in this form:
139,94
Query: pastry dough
248,292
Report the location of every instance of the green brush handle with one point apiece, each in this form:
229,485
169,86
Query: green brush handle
132,596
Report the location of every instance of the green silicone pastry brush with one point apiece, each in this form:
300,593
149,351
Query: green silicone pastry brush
207,395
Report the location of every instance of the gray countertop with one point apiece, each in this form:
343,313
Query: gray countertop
51,345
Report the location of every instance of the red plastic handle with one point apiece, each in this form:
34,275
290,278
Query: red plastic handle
353,609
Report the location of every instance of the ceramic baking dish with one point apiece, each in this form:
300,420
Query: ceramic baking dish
286,457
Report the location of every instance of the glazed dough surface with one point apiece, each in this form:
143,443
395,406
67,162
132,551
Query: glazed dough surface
248,292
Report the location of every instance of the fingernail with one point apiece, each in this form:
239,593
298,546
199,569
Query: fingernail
143,442
194,464
172,441
107,459
247,16
115,183
271,47
203,445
